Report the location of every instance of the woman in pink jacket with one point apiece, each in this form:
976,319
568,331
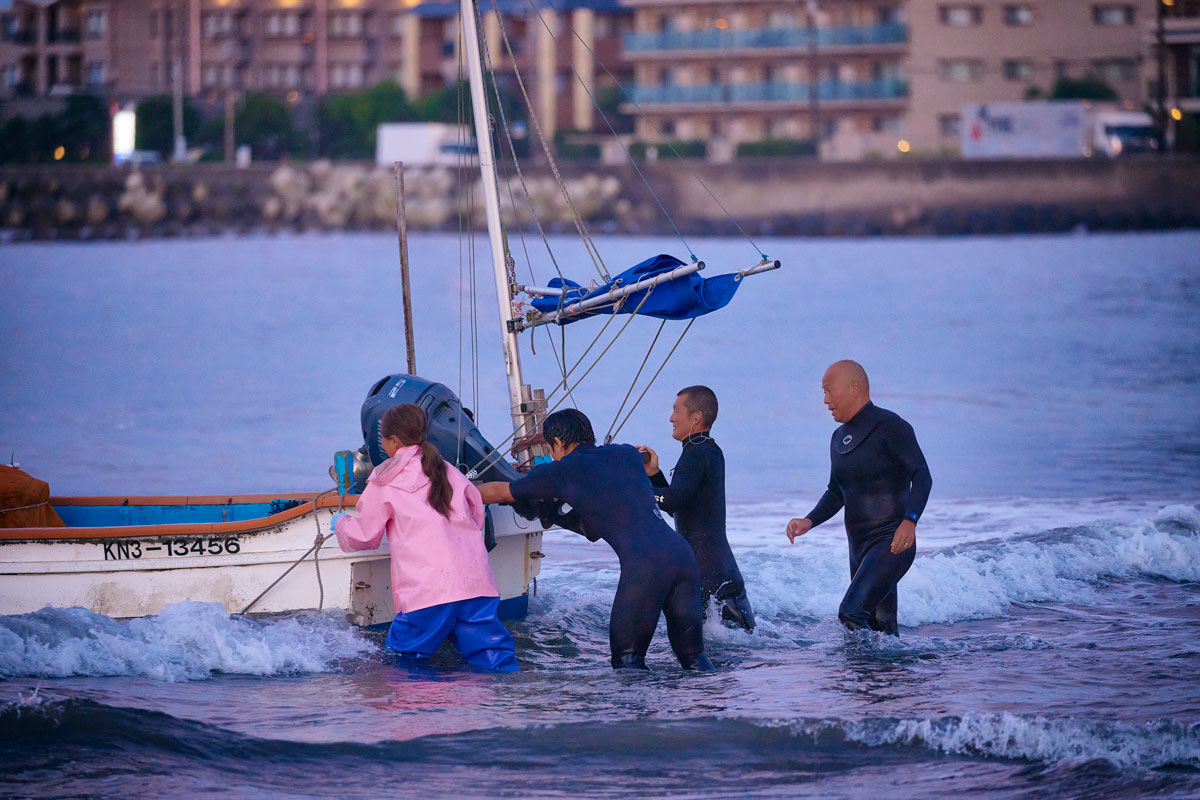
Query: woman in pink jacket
433,519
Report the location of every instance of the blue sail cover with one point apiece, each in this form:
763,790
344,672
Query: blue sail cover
682,298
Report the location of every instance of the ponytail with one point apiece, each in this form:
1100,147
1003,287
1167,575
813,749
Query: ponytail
409,423
441,492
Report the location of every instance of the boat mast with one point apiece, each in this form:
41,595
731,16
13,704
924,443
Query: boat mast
521,405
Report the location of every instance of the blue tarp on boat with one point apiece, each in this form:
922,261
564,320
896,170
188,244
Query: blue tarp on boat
682,298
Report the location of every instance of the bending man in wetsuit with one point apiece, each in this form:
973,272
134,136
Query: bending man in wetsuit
695,496
879,474
610,499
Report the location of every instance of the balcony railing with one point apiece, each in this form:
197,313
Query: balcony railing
881,89
713,39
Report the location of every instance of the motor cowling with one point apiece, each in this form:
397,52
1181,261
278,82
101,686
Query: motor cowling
451,430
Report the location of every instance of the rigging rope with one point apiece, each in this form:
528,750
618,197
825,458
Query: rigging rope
317,543
604,116
562,384
597,260
654,378
608,437
650,122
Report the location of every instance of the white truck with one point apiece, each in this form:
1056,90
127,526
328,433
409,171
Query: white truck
1053,129
425,144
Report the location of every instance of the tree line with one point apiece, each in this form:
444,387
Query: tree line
341,126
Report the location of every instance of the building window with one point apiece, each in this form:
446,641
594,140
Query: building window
10,76
1114,69
217,25
948,125
281,25
1018,15
398,25
153,24
345,24
95,73
1062,69
346,76
887,15
961,16
961,70
1018,69
95,23
1112,16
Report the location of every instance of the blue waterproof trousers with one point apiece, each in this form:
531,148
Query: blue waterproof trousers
471,625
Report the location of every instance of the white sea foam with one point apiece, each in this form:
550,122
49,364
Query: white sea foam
1152,745
984,579
186,641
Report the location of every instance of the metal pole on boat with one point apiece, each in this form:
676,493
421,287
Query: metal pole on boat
491,199
410,345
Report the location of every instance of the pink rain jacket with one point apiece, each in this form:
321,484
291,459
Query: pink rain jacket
434,560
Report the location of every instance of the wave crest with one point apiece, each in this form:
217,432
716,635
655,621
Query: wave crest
185,641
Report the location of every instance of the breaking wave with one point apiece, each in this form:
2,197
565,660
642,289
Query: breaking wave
984,579
185,641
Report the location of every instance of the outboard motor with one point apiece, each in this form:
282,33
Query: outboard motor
451,430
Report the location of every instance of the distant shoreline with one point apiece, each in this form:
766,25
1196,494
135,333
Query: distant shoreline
768,197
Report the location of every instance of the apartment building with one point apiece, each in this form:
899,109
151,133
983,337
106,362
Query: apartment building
302,49
971,51
866,77
53,49
736,72
567,53
1178,30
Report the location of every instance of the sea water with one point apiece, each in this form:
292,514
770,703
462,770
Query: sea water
1050,626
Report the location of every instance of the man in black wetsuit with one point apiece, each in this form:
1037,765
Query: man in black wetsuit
695,496
611,499
879,474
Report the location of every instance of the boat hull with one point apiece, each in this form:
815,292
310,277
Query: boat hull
136,570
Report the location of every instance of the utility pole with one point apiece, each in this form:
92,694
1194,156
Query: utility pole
1162,76
814,79
179,152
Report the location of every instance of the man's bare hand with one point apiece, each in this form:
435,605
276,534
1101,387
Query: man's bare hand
495,492
652,464
906,536
798,527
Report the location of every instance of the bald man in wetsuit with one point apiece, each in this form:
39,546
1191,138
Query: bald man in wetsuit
695,497
878,473
611,499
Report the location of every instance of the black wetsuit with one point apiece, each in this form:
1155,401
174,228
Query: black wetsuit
877,471
695,497
610,499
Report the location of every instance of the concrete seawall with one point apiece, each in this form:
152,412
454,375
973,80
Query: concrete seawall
777,196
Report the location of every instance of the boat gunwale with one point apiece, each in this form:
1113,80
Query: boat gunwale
177,528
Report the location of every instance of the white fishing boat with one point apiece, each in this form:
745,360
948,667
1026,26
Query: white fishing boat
263,554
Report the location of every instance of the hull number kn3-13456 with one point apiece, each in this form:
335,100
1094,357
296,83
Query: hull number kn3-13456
121,550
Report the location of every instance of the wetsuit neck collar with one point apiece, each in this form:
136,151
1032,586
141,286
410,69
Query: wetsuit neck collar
580,447
698,438
858,428
862,414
